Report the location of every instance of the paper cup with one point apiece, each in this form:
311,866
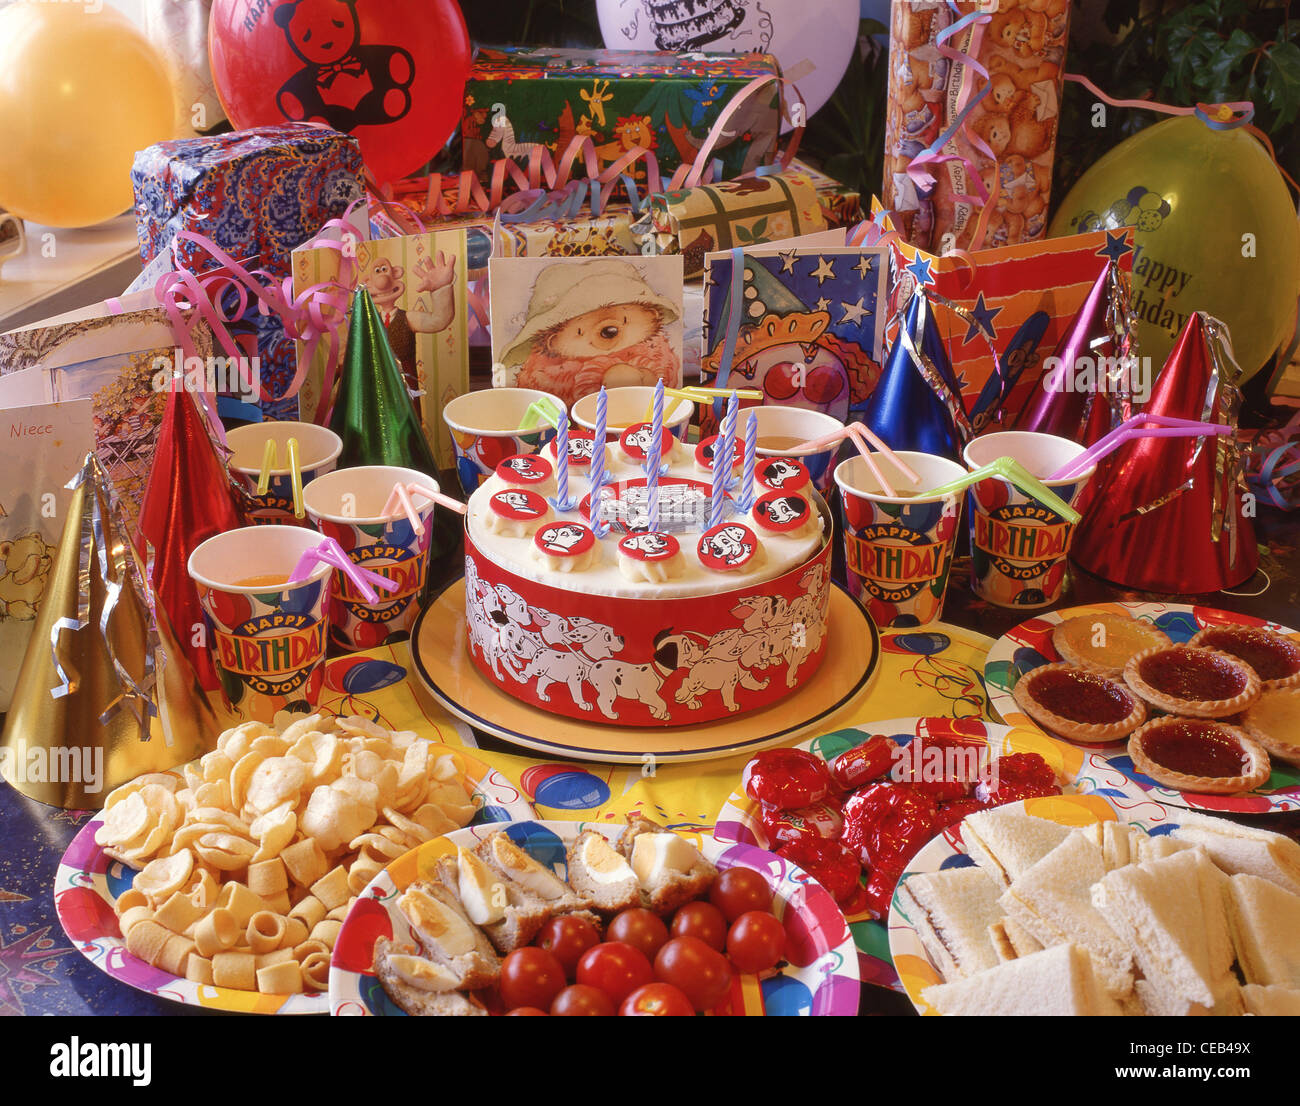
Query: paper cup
267,637
898,549
318,452
782,428
485,430
348,506
1019,548
628,406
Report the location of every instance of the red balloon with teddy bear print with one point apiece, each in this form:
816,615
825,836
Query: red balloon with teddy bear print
389,72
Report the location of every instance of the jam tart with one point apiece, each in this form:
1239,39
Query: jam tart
1274,657
1104,642
1193,681
1079,704
1199,755
1274,721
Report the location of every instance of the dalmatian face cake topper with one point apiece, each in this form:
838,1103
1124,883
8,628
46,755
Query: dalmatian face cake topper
649,546
782,514
564,539
782,474
526,469
519,505
727,547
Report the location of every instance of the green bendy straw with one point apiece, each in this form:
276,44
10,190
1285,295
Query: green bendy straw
1015,473
541,411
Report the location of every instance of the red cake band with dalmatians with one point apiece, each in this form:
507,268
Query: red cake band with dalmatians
680,625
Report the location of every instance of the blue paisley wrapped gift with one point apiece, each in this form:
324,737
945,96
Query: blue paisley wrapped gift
257,194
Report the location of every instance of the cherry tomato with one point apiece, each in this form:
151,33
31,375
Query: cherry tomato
756,941
530,977
567,938
616,968
642,929
526,1012
657,1000
737,891
702,974
581,1001
702,920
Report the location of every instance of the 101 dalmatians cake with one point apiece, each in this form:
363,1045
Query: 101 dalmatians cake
607,620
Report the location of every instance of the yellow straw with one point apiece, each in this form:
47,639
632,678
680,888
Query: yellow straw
295,475
268,463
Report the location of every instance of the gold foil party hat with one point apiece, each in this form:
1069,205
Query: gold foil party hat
103,694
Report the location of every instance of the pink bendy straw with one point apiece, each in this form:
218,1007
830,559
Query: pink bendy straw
331,553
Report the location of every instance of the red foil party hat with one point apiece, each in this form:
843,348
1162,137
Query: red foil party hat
189,499
1167,513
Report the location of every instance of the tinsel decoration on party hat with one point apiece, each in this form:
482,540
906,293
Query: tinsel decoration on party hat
1085,391
103,694
190,497
374,416
917,402
1169,514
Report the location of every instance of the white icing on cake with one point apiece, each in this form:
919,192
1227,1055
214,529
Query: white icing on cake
686,518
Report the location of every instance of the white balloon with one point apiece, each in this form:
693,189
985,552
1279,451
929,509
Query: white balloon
812,39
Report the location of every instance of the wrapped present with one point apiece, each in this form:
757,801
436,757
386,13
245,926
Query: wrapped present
841,205
970,133
257,194
584,235
520,97
749,212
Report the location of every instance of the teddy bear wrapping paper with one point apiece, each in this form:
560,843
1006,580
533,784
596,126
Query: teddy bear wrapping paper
569,326
1011,113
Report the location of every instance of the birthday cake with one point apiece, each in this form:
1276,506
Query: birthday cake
662,609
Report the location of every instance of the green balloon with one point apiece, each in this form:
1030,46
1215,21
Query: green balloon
1215,231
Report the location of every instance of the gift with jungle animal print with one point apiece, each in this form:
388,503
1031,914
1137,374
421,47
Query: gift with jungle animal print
519,98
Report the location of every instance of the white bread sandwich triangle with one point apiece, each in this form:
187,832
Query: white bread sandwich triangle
1242,850
447,936
1055,896
421,986
1158,847
1263,920
1056,982
1159,911
1005,841
952,911
1275,1001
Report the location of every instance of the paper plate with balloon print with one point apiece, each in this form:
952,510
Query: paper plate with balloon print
915,968
88,884
739,819
819,975
1029,645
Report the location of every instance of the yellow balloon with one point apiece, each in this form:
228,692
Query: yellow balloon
1215,231
80,92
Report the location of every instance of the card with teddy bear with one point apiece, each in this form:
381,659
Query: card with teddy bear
571,325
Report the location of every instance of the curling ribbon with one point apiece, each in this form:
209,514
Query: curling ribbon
1276,468
547,173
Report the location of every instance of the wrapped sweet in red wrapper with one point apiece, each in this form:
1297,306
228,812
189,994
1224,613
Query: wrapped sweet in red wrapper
829,863
885,824
949,814
787,778
821,821
863,763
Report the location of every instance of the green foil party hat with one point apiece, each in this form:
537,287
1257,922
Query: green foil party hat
379,425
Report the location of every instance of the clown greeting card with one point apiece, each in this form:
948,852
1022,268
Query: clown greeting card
802,324
569,326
